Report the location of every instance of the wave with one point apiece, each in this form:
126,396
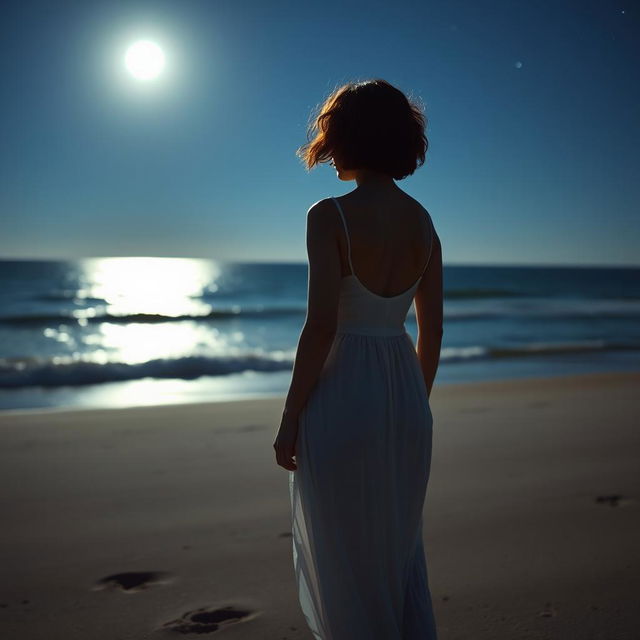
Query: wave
456,294
82,316
546,309
476,352
69,371
522,308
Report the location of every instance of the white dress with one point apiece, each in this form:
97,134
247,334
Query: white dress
363,457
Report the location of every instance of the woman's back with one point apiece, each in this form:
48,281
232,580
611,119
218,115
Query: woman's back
391,236
361,309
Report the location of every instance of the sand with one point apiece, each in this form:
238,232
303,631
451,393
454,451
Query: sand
532,517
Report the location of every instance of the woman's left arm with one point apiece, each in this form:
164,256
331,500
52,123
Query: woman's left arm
320,325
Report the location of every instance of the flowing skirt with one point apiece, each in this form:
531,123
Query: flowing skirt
363,459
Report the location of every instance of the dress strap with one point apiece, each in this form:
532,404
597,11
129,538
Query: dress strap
346,231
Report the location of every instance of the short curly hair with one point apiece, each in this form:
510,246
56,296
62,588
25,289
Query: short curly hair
368,125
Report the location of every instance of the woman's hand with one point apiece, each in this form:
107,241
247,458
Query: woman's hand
285,442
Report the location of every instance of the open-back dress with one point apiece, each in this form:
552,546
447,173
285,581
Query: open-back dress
363,456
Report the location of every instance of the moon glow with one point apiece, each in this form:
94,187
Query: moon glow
144,60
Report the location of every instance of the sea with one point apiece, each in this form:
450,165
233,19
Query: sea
135,331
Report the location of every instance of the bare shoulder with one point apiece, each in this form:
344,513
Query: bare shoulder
322,205
428,223
321,217
321,210
418,204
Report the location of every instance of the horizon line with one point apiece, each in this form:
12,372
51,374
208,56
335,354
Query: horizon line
304,262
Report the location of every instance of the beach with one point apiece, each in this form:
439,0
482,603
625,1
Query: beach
531,526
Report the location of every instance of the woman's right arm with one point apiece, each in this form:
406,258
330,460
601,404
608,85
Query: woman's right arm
429,315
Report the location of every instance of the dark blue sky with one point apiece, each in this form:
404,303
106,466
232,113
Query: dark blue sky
533,112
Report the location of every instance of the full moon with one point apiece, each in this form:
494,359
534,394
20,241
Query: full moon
144,60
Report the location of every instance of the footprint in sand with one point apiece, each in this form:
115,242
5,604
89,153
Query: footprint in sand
206,620
614,500
548,612
133,580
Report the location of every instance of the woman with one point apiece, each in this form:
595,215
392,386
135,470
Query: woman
356,428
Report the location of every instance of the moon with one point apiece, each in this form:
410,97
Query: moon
144,60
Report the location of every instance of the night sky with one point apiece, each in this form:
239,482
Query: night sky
533,108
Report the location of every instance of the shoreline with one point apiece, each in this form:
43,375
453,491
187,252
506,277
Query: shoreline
272,397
